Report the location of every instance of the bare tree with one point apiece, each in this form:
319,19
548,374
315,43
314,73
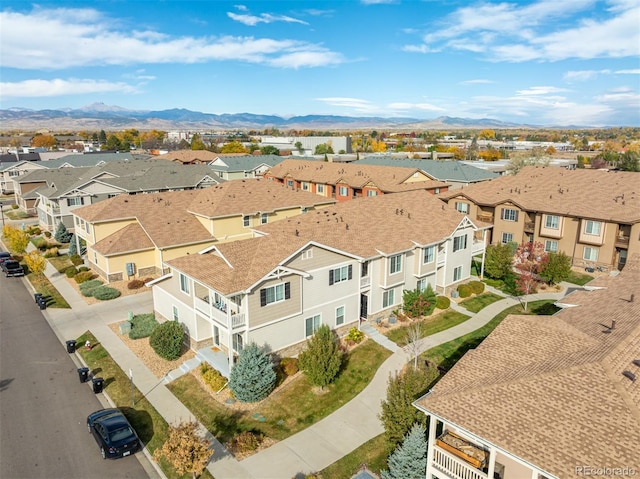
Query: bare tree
412,342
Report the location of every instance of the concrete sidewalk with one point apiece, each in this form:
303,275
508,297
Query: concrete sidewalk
308,451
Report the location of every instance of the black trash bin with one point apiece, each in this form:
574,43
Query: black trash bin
42,303
71,346
98,384
36,297
83,374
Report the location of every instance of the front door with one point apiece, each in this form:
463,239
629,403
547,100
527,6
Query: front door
364,306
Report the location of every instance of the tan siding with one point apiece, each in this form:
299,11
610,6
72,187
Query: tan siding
263,314
321,258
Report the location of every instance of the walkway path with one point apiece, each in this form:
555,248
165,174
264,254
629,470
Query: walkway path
308,451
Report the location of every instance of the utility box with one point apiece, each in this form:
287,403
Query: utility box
125,327
131,269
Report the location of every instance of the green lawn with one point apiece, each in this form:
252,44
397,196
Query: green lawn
60,263
291,409
372,453
479,302
428,326
579,278
149,424
43,286
447,354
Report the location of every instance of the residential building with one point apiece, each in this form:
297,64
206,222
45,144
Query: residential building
189,157
347,181
307,144
132,236
335,266
593,216
234,167
546,397
11,168
456,173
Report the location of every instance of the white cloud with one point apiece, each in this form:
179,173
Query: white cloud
377,2
584,75
479,81
94,40
414,106
252,20
628,72
540,90
58,87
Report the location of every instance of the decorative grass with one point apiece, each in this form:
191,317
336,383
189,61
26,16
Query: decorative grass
428,326
60,263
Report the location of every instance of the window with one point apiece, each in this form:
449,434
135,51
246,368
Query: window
550,245
305,186
395,264
275,294
552,222
387,298
307,254
507,238
592,228
429,255
311,325
437,192
343,191
238,342
75,201
364,269
264,218
339,315
509,214
459,242
590,254
290,183
372,193
176,316
246,221
338,275
421,285
462,207
457,273
184,283
320,189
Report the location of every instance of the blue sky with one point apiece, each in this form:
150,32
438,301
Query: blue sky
545,62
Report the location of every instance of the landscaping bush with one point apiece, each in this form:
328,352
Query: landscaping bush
442,302
51,253
212,377
39,242
142,325
477,287
76,260
135,284
83,276
83,268
464,290
88,287
355,335
289,366
247,441
17,257
47,234
62,235
419,303
71,271
105,293
166,340
14,206
253,377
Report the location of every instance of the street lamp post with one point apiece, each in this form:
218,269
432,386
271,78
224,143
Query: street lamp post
2,211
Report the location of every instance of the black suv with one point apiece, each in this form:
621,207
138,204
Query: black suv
12,268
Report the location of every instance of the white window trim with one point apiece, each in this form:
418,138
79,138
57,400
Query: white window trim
386,301
552,225
393,260
426,255
343,315
246,221
510,235
457,271
592,223
548,243
314,327
185,287
591,249
459,246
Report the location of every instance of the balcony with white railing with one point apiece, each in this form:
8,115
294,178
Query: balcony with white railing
365,281
453,467
218,313
477,246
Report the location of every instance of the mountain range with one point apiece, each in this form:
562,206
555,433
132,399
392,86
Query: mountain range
110,117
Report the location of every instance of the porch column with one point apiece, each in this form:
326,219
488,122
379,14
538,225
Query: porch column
492,461
484,252
230,347
431,440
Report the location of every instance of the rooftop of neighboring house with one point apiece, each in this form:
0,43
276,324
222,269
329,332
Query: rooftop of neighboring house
364,228
245,162
551,389
169,218
189,156
602,195
386,178
442,170
93,159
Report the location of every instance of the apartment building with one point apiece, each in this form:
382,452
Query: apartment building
344,181
591,215
335,266
546,397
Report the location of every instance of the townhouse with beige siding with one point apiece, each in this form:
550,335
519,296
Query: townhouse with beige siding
335,266
593,216
131,236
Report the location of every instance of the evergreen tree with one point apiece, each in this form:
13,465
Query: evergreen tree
409,460
62,235
322,359
253,377
73,249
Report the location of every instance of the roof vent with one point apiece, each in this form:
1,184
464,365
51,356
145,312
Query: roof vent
630,375
636,362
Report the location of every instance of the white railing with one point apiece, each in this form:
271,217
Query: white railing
477,246
364,282
453,467
237,321
442,259
221,317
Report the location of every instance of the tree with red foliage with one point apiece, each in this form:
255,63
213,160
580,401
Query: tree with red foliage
528,261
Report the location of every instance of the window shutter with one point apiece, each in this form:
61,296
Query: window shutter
287,290
330,277
263,297
349,274
516,215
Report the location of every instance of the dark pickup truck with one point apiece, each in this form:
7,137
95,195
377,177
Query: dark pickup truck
12,268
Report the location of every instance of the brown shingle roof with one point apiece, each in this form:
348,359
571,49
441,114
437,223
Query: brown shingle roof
130,238
189,156
550,389
602,195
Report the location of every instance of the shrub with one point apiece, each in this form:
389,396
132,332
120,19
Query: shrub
47,234
83,276
61,234
247,441
83,268
135,284
212,377
51,253
105,293
71,271
419,303
76,260
289,366
442,302
166,340
17,257
322,360
464,290
14,206
477,287
142,325
40,242
253,377
355,335
88,287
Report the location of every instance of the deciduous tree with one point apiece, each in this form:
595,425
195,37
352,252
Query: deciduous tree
233,147
253,377
185,449
529,260
498,260
35,262
322,359
558,267
18,240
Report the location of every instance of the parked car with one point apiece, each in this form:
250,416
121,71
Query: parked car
12,268
4,256
113,433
